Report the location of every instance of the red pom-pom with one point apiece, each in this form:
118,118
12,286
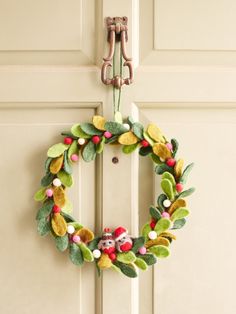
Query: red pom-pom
68,140
179,187
56,209
171,162
96,139
152,223
144,143
107,230
112,256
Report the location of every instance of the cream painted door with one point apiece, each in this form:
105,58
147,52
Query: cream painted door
50,56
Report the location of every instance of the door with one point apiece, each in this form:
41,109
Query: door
184,57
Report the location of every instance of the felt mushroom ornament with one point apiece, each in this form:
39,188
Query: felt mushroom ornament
123,241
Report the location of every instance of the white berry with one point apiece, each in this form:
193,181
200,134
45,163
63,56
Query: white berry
56,182
81,141
70,229
166,203
96,253
126,125
152,235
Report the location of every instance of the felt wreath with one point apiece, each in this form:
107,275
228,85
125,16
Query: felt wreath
113,249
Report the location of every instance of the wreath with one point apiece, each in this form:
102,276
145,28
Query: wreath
114,249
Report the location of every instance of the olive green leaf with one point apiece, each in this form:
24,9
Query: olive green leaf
89,152
126,269
179,213
78,132
162,225
186,193
66,179
155,213
126,257
145,230
75,254
115,128
170,177
137,244
138,130
62,242
160,251
47,179
56,150
90,129
149,259
128,149
87,254
186,172
148,138
179,223
40,195
140,263
167,188
45,210
43,226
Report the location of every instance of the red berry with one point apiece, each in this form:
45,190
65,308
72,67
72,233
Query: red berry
68,140
96,139
56,209
112,256
179,187
144,143
171,162
153,223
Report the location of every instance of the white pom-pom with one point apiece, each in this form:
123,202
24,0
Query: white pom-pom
152,235
96,253
70,229
162,159
81,141
166,203
56,182
126,125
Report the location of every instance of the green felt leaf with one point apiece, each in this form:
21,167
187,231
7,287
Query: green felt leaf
47,179
145,230
118,117
68,207
73,149
126,269
126,257
69,134
67,166
47,164
148,138
115,268
140,263
161,198
128,149
68,217
144,151
186,193
162,225
148,258
100,146
175,146
112,139
137,244
180,213
66,179
186,172
160,251
90,129
160,169
155,213
75,254
62,242
87,254
130,121
56,150
156,159
40,195
167,188
43,226
178,224
170,177
138,130
89,152
94,243
45,210
78,132
115,127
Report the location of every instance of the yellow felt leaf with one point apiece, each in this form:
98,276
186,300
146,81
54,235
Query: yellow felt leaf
178,203
168,235
85,234
56,164
128,138
104,261
59,196
158,241
99,122
161,151
155,133
59,225
179,168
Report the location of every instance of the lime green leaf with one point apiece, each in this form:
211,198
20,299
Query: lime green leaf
118,117
145,230
160,251
73,149
175,146
138,130
66,179
167,188
40,195
137,244
170,177
126,269
128,149
76,225
62,242
162,225
43,226
148,138
179,213
115,127
178,224
87,254
89,152
45,210
126,257
140,263
186,172
149,259
47,179
78,132
68,207
115,268
100,146
75,254
90,129
186,193
57,150
155,213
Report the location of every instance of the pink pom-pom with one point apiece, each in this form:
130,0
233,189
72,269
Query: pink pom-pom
107,134
165,215
76,238
68,140
56,209
74,157
96,139
142,250
171,162
144,143
169,146
179,187
49,192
